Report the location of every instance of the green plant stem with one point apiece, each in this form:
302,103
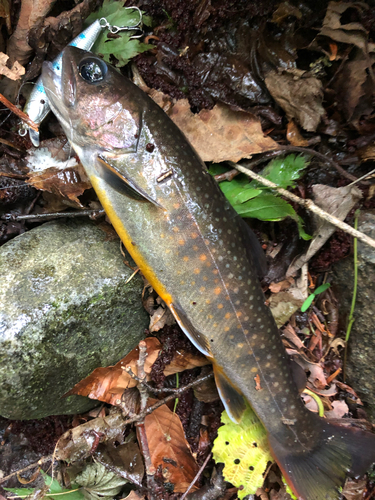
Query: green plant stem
318,401
354,297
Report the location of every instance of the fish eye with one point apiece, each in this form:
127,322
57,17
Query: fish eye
92,69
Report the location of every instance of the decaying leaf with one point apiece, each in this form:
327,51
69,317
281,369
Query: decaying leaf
99,482
317,379
286,302
351,33
108,383
124,460
299,94
5,14
294,136
161,316
134,495
339,409
336,201
354,489
81,441
244,450
13,73
68,183
221,134
169,448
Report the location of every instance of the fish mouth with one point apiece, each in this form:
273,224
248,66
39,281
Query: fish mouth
60,88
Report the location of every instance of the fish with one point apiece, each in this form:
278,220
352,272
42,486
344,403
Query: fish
192,247
37,106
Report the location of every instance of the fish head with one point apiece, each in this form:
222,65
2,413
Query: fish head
93,102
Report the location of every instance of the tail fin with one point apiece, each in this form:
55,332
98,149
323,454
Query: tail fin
316,474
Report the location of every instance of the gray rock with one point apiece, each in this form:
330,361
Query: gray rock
65,309
361,349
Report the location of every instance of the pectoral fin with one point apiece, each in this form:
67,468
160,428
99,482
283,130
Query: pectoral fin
119,181
232,399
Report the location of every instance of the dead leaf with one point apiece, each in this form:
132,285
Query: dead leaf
347,388
299,94
109,383
289,333
294,136
78,443
316,378
367,153
185,361
310,403
340,408
354,489
68,183
283,11
161,316
5,14
335,201
221,134
134,495
13,73
124,460
350,33
169,448
285,303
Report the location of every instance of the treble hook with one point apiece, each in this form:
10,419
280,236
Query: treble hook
115,29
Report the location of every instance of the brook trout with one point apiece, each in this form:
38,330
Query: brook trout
191,246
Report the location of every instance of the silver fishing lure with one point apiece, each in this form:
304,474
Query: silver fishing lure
37,106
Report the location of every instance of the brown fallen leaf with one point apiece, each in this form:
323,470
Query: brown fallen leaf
289,333
339,409
161,316
316,379
221,134
351,33
294,136
286,302
125,460
299,94
5,14
109,383
336,201
13,73
354,489
67,183
134,495
169,448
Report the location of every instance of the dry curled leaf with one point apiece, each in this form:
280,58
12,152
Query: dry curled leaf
294,136
335,201
221,134
109,383
161,316
339,409
299,94
13,73
169,448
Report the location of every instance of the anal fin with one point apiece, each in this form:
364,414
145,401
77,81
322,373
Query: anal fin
232,399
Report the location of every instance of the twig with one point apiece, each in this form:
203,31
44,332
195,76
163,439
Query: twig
93,214
196,477
19,113
309,205
354,297
41,461
141,430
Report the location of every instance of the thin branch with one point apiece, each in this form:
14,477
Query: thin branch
41,461
309,205
19,113
93,214
196,477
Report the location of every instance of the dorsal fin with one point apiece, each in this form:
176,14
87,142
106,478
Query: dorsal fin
123,184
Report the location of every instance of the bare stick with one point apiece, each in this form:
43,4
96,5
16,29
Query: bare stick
196,477
309,205
93,214
41,461
19,113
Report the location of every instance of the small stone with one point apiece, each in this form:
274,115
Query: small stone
65,309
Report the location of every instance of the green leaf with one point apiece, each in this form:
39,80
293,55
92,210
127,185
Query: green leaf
121,48
99,482
322,288
307,303
266,207
311,298
283,171
243,448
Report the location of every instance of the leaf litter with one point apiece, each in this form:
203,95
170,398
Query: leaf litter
251,131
